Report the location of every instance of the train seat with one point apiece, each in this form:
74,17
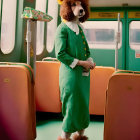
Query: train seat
99,78
122,114
47,86
17,104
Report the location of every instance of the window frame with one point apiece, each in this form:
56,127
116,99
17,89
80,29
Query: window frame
133,46
39,50
107,47
13,32
51,25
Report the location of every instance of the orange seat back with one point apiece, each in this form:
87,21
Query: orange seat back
47,86
17,106
99,78
122,115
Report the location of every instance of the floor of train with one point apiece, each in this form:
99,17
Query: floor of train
49,126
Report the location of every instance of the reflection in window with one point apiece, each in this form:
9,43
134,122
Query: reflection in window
51,26
40,5
8,26
100,36
134,35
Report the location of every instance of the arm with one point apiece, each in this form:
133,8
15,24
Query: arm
60,48
86,64
63,56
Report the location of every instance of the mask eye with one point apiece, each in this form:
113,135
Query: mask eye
74,4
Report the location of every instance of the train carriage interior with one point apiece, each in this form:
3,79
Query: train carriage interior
30,106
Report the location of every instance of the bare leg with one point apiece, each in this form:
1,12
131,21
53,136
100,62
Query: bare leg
80,135
81,132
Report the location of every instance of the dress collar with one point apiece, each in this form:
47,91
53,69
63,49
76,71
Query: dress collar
73,25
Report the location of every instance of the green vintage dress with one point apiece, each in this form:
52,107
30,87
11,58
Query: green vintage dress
74,87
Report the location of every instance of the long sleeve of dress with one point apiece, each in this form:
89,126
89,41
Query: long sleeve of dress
60,47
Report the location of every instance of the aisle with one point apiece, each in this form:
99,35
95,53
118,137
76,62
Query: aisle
49,127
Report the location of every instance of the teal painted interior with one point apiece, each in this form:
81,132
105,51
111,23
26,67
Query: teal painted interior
102,57
126,56
17,53
132,63
14,56
49,127
106,57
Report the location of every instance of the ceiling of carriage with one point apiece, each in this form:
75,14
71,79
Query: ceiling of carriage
113,3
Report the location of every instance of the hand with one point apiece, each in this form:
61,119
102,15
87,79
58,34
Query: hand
93,66
86,64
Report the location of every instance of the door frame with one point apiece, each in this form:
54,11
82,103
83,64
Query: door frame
125,31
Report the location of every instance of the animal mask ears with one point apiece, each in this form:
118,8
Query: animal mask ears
60,2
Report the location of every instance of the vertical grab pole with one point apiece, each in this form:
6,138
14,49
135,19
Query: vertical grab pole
28,39
34,46
117,42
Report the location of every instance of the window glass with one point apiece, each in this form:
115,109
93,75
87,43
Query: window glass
101,34
51,26
40,5
8,26
134,35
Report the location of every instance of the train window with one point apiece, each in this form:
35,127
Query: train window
134,36
8,26
40,5
51,26
101,34
97,36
